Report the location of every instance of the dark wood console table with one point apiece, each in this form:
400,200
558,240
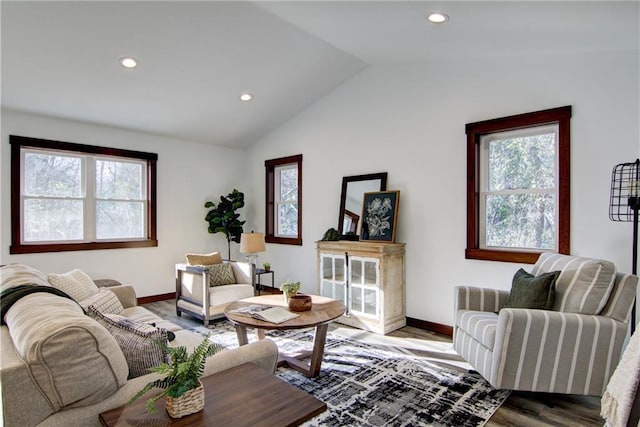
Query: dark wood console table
242,396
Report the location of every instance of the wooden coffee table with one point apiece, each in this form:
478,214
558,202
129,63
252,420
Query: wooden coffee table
323,311
242,396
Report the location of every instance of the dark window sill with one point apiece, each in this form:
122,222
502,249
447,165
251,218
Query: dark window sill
502,255
283,240
63,247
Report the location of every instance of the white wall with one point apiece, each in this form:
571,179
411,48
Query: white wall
188,175
409,120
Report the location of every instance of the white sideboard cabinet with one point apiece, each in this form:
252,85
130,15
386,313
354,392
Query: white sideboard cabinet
369,278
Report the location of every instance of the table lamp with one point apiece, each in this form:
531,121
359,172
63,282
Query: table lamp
252,243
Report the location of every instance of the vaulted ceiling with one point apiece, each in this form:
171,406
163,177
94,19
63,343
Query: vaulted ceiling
196,58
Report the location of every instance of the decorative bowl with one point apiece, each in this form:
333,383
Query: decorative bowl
300,302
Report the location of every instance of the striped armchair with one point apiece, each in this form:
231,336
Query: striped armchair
553,351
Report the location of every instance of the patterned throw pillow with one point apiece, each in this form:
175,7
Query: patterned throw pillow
142,348
221,274
76,283
105,301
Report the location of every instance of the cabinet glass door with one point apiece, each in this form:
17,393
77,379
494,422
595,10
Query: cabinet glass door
364,281
332,282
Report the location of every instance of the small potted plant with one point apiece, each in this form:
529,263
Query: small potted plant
266,266
289,288
181,384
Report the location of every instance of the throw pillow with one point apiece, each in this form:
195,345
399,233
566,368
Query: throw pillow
204,259
221,274
529,291
76,283
105,301
584,284
143,346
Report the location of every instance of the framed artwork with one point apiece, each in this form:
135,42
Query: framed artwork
380,216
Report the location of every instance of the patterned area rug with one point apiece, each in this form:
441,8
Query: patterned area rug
376,385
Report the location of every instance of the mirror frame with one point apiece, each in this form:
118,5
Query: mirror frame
382,176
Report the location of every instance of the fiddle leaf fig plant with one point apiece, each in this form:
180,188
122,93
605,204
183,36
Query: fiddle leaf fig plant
222,218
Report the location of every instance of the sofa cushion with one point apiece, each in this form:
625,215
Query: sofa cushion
481,325
72,358
143,346
584,284
529,291
19,274
204,259
221,274
76,283
105,301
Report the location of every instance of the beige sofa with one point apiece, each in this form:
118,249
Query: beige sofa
59,367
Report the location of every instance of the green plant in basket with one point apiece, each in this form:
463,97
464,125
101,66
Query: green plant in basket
182,374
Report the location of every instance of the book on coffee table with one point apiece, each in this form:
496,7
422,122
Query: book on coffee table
266,313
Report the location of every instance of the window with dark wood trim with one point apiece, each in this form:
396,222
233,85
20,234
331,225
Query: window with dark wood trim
86,223
283,200
475,132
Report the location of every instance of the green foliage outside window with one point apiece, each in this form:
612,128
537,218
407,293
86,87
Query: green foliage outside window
520,201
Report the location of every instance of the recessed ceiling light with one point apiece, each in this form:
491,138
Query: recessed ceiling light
128,62
437,17
246,97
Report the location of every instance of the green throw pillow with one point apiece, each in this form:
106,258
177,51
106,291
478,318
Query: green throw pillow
529,291
221,274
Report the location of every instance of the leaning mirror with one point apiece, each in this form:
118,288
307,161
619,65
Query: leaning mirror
353,189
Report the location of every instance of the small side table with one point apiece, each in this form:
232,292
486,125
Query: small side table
259,273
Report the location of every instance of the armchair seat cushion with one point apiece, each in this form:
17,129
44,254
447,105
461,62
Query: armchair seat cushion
479,324
229,293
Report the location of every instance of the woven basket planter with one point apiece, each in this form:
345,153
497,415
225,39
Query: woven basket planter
190,402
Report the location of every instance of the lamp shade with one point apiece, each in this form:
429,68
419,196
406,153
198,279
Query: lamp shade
251,243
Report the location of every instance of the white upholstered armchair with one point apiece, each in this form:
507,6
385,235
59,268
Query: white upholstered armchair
196,297
559,351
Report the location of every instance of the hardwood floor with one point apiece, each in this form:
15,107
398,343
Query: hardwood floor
520,409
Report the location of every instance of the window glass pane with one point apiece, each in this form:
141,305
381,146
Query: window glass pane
119,180
356,299
327,268
370,273
522,163
356,271
340,273
288,219
119,220
289,184
339,293
52,220
370,301
52,175
521,221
